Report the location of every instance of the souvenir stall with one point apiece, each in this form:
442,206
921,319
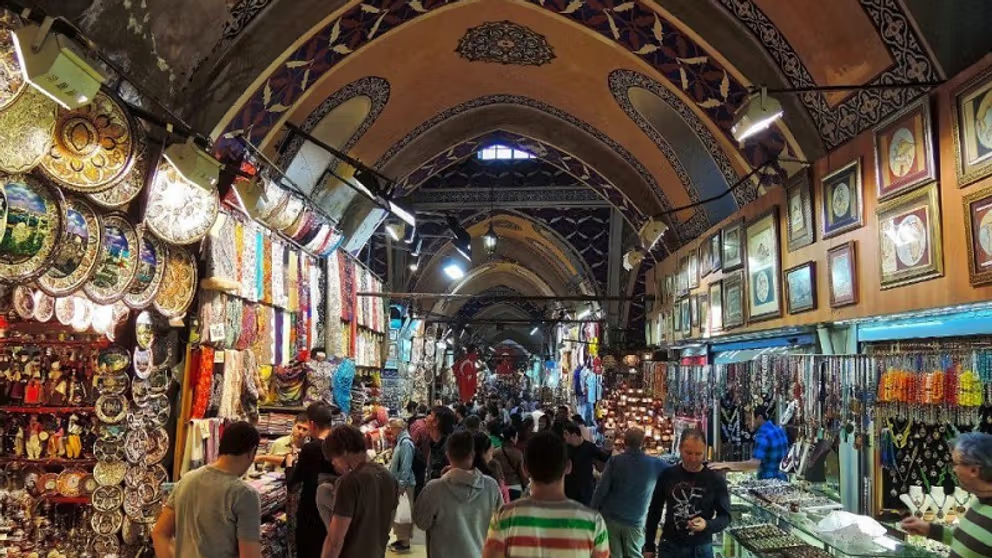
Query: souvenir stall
626,407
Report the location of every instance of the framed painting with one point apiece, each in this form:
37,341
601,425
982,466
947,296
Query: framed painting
716,307
703,301
733,300
909,238
799,211
904,150
694,310
972,123
732,249
677,318
978,230
693,270
841,200
716,257
800,288
684,309
842,272
765,300
669,289
705,260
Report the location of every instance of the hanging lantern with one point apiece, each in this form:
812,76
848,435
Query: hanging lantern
490,242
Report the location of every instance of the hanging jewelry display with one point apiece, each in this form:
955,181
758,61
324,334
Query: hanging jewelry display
35,219
178,211
152,261
117,262
77,256
179,284
94,146
26,128
131,184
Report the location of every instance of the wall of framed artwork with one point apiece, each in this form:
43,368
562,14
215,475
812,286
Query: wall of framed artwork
971,111
764,289
733,300
716,307
800,226
962,204
716,252
842,275
800,288
904,151
909,238
842,200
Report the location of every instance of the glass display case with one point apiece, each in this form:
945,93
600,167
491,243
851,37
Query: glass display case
768,531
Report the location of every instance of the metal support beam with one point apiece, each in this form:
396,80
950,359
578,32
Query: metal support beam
507,298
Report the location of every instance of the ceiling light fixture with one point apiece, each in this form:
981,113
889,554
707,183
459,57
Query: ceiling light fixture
55,65
417,246
194,163
454,270
395,231
490,242
414,264
463,240
632,259
535,330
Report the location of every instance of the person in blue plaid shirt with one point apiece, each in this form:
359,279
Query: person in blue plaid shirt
771,445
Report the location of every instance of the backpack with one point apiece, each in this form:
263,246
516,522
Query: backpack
419,467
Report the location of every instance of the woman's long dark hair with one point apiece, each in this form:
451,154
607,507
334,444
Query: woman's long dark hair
482,445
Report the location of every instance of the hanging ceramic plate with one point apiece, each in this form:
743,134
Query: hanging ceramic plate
142,362
107,498
288,215
178,211
44,307
158,446
135,446
26,128
106,523
94,146
65,309
108,451
24,302
109,473
117,262
11,77
103,318
76,259
106,545
115,358
35,218
128,188
151,270
179,284
144,330
111,409
82,313
70,483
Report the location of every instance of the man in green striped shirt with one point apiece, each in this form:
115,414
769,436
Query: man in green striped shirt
972,538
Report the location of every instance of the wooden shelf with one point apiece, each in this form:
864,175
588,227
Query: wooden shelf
42,410
278,409
77,500
84,462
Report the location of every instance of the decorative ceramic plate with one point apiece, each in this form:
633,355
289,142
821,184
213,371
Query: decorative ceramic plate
76,259
106,523
288,215
103,318
11,77
178,285
114,432
89,484
106,545
144,330
132,503
49,483
24,302
94,146
115,357
109,473
178,211
108,451
44,307
272,199
134,475
35,218
142,362
65,309
117,263
26,128
135,446
82,313
112,409
111,383
107,498
70,483
158,445
151,268
128,188
149,493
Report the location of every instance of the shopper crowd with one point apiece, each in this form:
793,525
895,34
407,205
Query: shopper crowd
494,481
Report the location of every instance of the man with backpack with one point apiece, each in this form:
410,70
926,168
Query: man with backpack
403,467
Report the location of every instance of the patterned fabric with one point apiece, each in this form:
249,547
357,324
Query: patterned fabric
333,308
347,267
230,397
205,373
222,260
548,530
320,381
249,263
293,281
278,275
267,270
770,446
343,377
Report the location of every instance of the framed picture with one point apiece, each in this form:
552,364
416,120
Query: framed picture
733,247
677,318
978,227
842,271
840,200
904,150
716,307
694,310
909,238
684,309
693,270
972,122
799,211
705,260
800,288
716,256
764,290
703,301
669,289
680,277
733,300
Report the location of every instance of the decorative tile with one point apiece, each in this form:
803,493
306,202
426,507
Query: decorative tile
505,42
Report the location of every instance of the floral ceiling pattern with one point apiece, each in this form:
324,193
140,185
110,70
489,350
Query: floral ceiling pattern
505,42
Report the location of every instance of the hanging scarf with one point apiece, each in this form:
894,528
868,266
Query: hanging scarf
347,287
332,298
204,362
343,377
267,270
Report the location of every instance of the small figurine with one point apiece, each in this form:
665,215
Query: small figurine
32,393
74,444
33,445
17,382
56,444
57,386
77,389
19,441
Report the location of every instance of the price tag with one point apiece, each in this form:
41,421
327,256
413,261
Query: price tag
216,332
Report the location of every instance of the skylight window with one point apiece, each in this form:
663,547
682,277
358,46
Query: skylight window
502,153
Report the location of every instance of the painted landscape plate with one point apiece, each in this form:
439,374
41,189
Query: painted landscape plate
151,269
82,238
93,148
178,286
178,211
35,218
117,262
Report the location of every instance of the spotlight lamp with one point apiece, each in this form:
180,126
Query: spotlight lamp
395,230
454,270
414,264
632,259
194,164
651,232
756,115
55,65
417,246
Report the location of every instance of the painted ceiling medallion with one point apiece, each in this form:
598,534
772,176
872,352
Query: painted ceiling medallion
94,146
117,262
35,219
78,254
505,42
178,211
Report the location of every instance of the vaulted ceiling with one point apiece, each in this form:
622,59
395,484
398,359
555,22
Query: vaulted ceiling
633,101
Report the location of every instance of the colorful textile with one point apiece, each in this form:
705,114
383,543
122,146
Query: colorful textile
549,530
343,378
347,268
204,360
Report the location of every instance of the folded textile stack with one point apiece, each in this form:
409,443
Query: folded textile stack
271,491
275,537
275,424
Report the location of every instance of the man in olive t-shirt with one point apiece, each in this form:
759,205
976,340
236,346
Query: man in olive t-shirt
212,513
